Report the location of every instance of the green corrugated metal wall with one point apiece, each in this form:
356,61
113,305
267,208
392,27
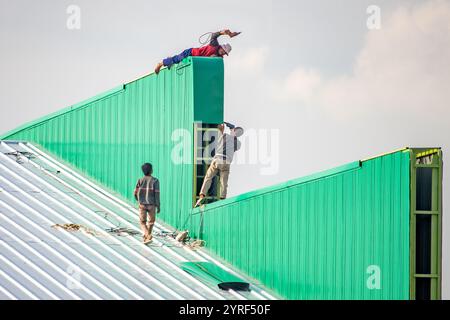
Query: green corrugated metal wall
209,92
316,237
111,135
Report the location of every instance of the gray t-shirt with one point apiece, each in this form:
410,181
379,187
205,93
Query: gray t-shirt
147,191
227,145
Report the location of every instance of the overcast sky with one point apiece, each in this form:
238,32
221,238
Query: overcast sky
336,90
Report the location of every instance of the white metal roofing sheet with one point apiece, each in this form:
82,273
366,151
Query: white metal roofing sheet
38,261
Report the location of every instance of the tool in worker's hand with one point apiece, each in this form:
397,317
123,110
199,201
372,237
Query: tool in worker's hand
199,202
206,40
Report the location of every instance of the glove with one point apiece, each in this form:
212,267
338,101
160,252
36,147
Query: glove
229,125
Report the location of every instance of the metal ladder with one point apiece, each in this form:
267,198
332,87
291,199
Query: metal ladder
205,136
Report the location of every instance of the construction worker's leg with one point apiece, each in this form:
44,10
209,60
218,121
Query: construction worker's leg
151,220
168,62
212,171
178,58
224,174
143,219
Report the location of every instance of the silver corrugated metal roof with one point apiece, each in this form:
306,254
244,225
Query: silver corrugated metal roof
38,261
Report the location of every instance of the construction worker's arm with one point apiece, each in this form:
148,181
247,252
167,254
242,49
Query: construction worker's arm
229,125
136,190
225,32
158,205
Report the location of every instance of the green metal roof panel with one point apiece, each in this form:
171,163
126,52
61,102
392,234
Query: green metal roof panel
208,92
321,237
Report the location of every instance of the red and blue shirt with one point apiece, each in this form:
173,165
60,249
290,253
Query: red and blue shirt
212,49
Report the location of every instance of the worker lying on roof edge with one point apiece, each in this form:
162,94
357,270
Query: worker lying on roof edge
148,195
227,145
213,49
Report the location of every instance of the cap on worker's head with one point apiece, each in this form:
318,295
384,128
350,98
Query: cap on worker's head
238,131
226,47
147,169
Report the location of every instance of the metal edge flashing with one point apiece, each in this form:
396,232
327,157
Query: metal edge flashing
186,62
279,187
385,154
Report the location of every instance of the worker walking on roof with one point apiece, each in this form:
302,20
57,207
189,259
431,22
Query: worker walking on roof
227,145
147,194
213,49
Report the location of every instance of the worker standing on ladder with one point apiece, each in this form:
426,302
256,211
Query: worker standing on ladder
147,194
227,145
213,49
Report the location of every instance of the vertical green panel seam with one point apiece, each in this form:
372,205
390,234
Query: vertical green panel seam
440,210
412,226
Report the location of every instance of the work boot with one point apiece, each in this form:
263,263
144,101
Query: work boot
158,67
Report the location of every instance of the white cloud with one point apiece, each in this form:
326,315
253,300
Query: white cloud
402,68
300,85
